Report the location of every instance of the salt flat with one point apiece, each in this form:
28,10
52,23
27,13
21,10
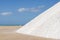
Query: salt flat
8,28
8,33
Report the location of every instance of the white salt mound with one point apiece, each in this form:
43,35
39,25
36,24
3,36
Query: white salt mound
45,25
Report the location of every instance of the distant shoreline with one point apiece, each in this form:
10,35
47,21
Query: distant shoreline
10,25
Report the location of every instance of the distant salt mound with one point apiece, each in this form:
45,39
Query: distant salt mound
45,25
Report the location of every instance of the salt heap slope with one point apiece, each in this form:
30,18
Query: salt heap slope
45,25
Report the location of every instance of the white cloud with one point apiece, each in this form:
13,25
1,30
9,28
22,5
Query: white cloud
6,13
42,6
22,9
33,9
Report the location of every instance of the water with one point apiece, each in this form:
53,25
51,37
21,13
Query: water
9,24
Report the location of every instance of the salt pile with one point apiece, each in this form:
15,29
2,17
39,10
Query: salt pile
45,25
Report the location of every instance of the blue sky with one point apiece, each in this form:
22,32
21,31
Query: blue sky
13,12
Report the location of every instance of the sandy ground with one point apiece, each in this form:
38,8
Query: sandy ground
8,33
